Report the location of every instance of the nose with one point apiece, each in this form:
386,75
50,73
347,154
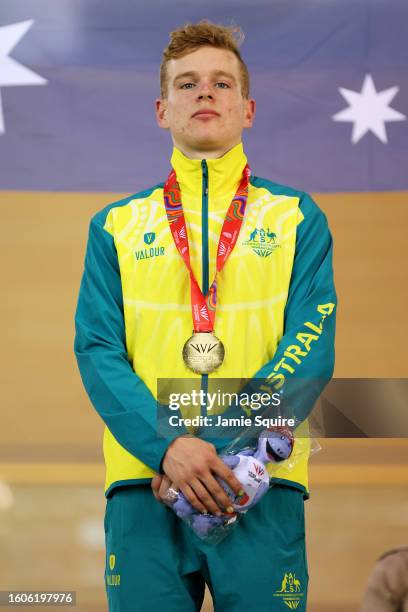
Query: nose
208,96
204,91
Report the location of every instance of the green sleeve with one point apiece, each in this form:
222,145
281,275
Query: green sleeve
304,360
118,394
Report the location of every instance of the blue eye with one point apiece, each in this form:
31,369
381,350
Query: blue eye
187,86
222,85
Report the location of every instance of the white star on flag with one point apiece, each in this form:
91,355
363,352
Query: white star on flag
369,110
11,72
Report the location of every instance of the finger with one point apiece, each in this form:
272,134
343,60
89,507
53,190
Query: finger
155,484
218,493
204,496
164,487
193,499
227,476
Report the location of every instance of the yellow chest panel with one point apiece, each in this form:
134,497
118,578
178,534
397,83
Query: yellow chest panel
252,287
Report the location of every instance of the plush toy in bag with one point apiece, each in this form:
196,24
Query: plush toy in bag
249,466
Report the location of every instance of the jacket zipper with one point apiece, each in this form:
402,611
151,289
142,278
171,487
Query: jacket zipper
205,258
204,224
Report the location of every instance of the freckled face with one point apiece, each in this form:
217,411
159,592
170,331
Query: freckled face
204,109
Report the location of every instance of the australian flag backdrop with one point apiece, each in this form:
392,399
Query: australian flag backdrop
78,82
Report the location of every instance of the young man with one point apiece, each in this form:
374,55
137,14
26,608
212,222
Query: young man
274,301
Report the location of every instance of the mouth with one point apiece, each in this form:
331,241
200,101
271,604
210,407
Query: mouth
272,453
205,113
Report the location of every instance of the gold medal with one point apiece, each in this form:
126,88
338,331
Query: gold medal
203,353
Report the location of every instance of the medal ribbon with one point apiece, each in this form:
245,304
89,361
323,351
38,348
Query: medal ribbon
203,307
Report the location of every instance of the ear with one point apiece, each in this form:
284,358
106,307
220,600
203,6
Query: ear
161,113
250,110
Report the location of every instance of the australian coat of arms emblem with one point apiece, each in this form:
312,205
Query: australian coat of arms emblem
262,241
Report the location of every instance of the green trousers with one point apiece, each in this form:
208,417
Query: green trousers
155,562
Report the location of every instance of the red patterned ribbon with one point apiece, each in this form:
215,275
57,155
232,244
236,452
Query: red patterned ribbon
203,308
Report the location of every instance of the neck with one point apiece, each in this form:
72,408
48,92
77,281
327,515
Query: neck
204,153
224,173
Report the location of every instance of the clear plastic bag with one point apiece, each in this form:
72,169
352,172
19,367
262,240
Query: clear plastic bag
259,462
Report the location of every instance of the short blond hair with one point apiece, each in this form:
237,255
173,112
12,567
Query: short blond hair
192,36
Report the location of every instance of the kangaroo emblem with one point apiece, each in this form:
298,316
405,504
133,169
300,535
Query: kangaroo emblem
284,584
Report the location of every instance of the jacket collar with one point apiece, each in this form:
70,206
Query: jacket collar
224,173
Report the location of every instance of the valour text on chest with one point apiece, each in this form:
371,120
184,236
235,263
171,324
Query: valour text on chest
149,253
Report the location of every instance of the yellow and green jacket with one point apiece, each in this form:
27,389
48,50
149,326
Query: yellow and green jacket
275,309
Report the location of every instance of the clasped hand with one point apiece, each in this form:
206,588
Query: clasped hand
191,465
